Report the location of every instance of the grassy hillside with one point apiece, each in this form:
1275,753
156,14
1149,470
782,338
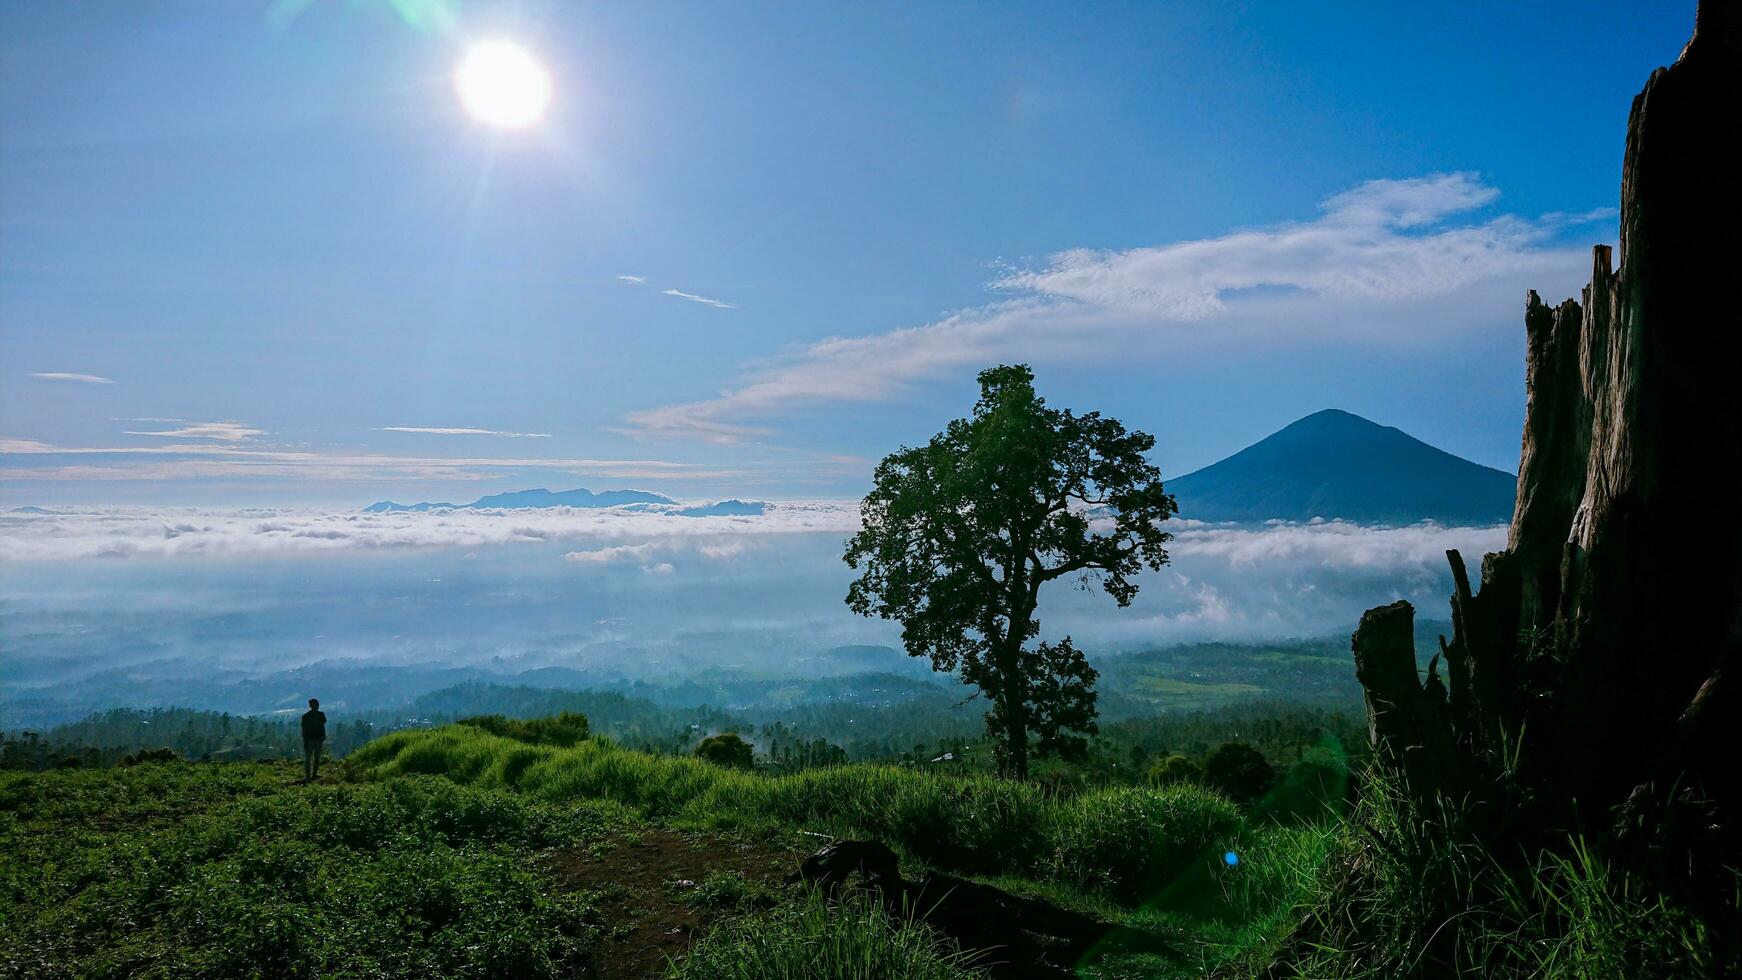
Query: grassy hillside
225,869
454,852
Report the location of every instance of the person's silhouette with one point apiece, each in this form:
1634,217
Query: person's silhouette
314,737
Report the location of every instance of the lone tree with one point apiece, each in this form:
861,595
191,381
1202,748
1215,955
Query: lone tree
960,534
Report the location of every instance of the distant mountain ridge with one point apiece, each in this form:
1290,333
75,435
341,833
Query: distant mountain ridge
581,497
1334,464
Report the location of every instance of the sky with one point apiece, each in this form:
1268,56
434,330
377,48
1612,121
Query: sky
258,253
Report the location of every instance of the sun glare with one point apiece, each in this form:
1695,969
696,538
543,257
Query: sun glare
502,85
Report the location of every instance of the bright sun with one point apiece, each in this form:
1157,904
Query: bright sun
501,85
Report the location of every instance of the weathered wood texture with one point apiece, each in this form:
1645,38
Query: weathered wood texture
1586,678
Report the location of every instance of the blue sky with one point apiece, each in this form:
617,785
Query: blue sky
244,247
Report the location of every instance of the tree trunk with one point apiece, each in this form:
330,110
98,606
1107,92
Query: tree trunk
1016,691
1587,675
1016,732
1016,719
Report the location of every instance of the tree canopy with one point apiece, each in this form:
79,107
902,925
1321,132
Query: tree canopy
960,534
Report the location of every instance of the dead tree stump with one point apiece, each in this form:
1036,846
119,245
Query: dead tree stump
1590,679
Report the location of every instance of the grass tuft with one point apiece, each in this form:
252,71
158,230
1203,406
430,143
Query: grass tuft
814,939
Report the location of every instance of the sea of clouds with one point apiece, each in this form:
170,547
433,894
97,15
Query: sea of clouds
96,601
617,534
69,534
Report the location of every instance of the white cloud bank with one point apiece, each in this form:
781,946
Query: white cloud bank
1380,259
1334,544
616,534
65,534
712,587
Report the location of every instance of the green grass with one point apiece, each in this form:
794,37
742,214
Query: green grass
732,892
1125,843
1174,689
223,870
425,861
813,940
1418,902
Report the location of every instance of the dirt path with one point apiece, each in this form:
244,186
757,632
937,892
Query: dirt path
646,882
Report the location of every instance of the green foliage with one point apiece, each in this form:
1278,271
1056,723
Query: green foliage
109,737
562,730
972,824
1239,771
1279,729
727,749
1175,769
203,870
731,891
959,535
1206,675
817,940
1131,844
1428,902
1315,787
790,752
225,870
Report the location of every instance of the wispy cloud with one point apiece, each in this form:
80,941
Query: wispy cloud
436,431
1380,255
614,553
22,446
632,280
222,431
705,301
183,461
90,379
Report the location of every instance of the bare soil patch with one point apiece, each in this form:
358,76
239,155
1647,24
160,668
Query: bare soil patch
646,882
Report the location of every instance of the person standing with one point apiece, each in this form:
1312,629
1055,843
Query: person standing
314,737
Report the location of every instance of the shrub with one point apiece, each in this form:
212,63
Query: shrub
727,750
1175,769
1130,844
1314,787
144,756
970,824
1239,771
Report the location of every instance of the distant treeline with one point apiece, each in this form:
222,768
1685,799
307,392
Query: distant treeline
796,735
110,737
926,728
